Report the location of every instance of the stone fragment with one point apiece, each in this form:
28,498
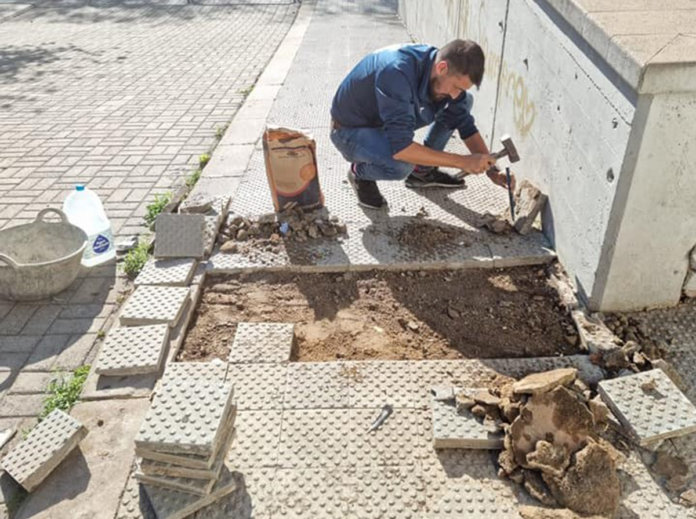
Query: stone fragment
510,410
668,465
529,201
507,462
599,410
690,284
442,393
464,402
537,383
688,498
615,359
594,334
479,411
549,458
198,203
535,512
557,416
44,448
229,247
590,485
535,486
484,396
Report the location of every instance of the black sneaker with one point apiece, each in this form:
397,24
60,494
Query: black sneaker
433,178
367,192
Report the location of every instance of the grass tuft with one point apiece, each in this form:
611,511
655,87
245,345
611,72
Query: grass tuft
64,392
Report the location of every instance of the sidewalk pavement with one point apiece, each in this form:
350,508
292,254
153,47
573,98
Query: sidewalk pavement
123,98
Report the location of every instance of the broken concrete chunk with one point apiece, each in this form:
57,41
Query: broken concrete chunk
535,512
484,396
557,417
590,485
549,458
198,203
690,284
615,359
442,393
535,486
688,498
529,201
668,465
537,383
595,336
599,410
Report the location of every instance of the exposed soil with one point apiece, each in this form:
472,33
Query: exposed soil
389,315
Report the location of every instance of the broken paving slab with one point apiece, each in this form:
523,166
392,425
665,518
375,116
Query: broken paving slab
46,446
181,373
176,272
537,383
262,342
170,504
154,305
595,337
452,430
649,405
179,236
186,417
529,201
133,350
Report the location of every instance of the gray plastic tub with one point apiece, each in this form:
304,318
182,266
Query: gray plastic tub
40,259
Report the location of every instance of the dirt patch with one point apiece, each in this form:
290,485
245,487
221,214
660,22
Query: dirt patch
425,235
389,315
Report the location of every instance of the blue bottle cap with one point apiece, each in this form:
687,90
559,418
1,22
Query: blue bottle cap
80,187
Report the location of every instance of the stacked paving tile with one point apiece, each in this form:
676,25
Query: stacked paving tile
184,439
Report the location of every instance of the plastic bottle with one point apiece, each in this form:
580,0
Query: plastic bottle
85,210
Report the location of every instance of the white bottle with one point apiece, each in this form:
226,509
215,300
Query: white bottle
84,209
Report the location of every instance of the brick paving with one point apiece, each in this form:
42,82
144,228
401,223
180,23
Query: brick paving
122,98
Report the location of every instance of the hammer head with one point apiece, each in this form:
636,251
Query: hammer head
509,148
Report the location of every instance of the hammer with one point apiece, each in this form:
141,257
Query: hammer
508,151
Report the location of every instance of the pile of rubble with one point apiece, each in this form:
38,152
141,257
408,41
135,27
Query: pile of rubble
184,439
427,235
270,231
559,438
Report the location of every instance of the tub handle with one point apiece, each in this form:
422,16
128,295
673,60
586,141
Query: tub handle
12,263
43,212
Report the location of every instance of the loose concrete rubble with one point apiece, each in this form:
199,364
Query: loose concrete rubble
184,439
270,232
49,443
529,202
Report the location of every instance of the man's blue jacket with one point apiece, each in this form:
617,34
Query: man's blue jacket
390,88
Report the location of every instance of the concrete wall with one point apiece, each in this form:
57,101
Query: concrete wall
595,145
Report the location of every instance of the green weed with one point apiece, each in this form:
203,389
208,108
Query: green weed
135,259
156,207
64,392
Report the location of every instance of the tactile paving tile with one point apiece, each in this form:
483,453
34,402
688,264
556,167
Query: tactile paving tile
391,491
676,326
44,448
172,504
452,430
186,417
470,498
337,437
179,235
172,272
252,497
311,493
457,373
375,383
262,342
133,350
642,496
134,504
212,226
256,439
258,386
317,385
662,413
154,305
181,373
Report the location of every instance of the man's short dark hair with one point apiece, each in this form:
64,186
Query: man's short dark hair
464,57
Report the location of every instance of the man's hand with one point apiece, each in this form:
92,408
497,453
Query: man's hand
476,163
500,178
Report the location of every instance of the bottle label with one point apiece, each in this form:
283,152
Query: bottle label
101,244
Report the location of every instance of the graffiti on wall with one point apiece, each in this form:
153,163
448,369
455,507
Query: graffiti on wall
511,84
